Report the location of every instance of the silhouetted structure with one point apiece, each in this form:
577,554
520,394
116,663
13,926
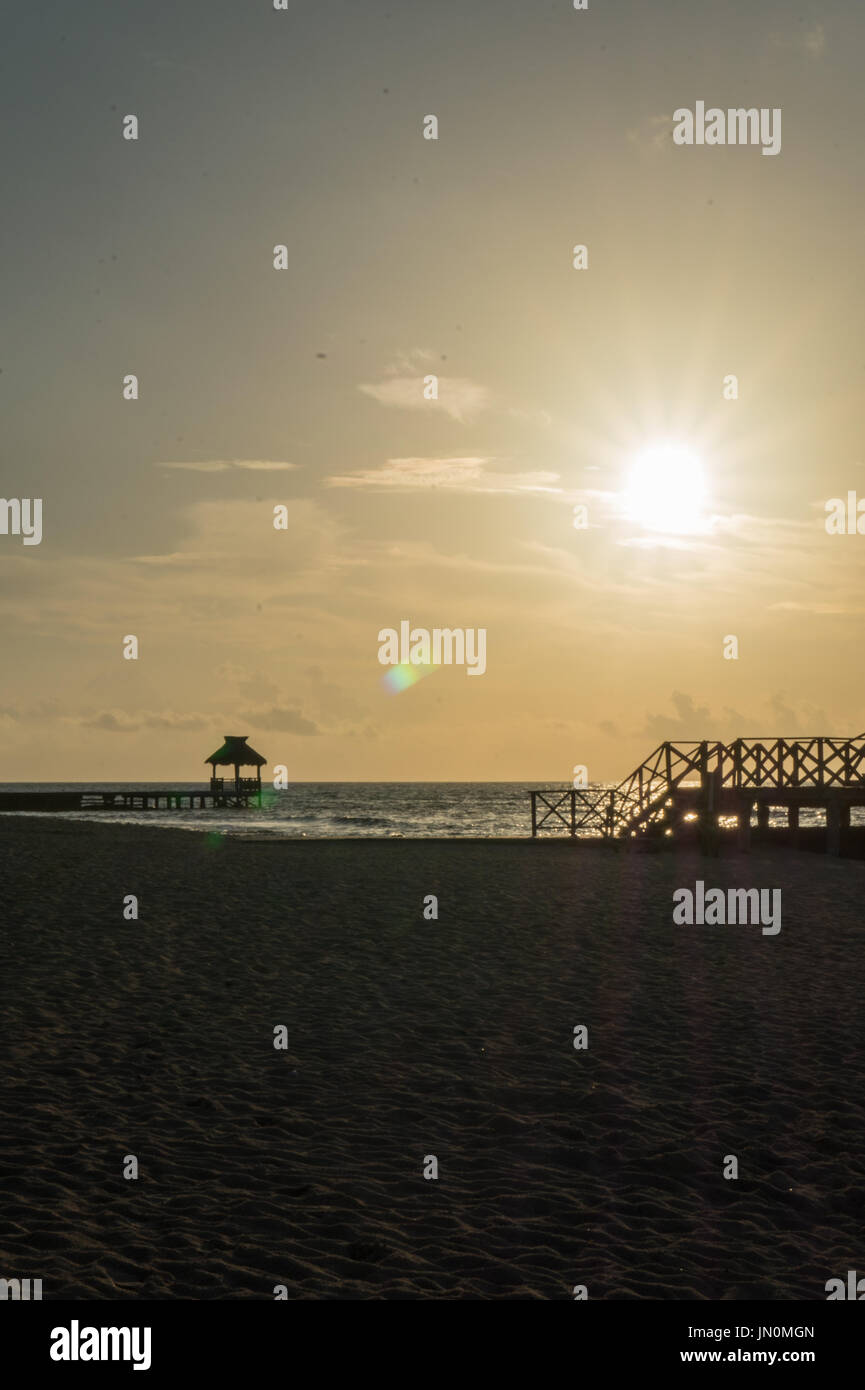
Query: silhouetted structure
784,774
235,752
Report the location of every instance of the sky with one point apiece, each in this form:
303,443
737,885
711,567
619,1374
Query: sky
303,387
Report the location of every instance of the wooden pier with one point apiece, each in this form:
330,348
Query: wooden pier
709,791
137,800
224,793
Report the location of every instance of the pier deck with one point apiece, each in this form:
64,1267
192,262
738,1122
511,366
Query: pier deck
140,800
711,789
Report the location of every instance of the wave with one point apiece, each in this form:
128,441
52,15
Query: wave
383,821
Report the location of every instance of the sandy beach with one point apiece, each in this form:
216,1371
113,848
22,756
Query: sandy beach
409,1038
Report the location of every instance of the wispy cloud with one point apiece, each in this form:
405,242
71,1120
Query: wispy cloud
446,474
814,41
225,465
118,722
32,713
458,397
653,134
811,42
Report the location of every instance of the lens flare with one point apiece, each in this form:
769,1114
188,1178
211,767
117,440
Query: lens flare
400,678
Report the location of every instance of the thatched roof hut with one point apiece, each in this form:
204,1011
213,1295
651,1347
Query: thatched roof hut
236,752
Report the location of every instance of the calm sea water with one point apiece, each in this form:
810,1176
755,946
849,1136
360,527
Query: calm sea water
325,810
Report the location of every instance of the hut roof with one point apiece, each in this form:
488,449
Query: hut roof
236,751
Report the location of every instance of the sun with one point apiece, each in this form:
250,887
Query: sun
666,490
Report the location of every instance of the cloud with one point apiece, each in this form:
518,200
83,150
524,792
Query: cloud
542,419
118,722
821,609
465,475
251,684
689,722
171,720
189,559
410,361
653,134
776,718
32,713
810,721
111,723
458,397
224,465
332,701
287,721
812,42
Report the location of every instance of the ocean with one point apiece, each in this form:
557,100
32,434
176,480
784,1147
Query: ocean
327,810
335,810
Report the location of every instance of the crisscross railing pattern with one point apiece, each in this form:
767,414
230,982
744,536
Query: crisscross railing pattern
581,811
746,763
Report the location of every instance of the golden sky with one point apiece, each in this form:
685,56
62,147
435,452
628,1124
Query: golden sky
304,387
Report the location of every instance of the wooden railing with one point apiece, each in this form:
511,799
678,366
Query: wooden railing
227,786
581,811
747,763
